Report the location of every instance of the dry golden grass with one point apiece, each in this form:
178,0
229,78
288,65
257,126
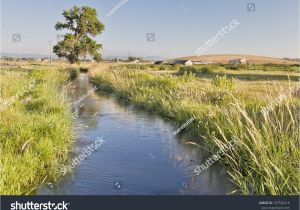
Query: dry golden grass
253,59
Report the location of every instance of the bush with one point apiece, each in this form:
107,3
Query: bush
188,70
176,66
223,83
205,70
162,68
83,69
232,67
73,72
194,70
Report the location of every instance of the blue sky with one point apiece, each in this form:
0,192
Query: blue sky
180,26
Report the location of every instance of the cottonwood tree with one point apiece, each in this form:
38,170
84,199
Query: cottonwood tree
83,25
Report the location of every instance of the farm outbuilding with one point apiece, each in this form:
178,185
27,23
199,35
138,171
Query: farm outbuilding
161,62
203,62
238,61
183,62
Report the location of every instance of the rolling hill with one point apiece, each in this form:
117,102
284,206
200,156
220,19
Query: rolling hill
253,59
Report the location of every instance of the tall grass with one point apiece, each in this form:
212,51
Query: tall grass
266,160
35,130
266,157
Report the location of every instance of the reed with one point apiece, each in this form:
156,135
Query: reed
265,159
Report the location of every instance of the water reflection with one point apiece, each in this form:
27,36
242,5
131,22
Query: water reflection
141,155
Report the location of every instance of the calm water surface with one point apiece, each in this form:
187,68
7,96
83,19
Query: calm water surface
140,156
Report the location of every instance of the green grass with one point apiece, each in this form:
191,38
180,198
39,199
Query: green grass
151,67
194,70
264,67
73,73
266,157
243,72
276,67
35,130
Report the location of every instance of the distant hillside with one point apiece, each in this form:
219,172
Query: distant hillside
253,59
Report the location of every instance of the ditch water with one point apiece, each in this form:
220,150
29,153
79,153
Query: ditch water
140,154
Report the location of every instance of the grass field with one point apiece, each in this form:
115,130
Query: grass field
253,59
266,157
35,128
256,107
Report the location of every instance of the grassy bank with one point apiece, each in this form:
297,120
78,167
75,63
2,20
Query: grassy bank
265,159
35,128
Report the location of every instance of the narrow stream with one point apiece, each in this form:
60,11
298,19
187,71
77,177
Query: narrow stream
140,154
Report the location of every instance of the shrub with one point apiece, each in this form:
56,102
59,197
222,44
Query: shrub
232,67
162,68
187,70
177,66
73,72
194,70
223,83
83,69
205,70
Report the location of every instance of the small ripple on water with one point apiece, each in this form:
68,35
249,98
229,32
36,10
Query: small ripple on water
141,156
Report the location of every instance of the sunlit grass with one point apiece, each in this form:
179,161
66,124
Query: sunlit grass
35,130
266,158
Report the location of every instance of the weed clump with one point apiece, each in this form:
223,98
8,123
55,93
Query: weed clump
223,82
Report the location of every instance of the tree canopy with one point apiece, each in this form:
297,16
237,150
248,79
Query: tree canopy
83,25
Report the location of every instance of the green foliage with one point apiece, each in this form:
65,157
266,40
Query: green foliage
187,70
97,57
83,69
278,67
36,130
194,70
232,67
83,24
133,66
132,58
206,70
263,67
295,65
223,83
162,67
73,73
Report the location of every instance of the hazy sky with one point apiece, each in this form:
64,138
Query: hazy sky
180,26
